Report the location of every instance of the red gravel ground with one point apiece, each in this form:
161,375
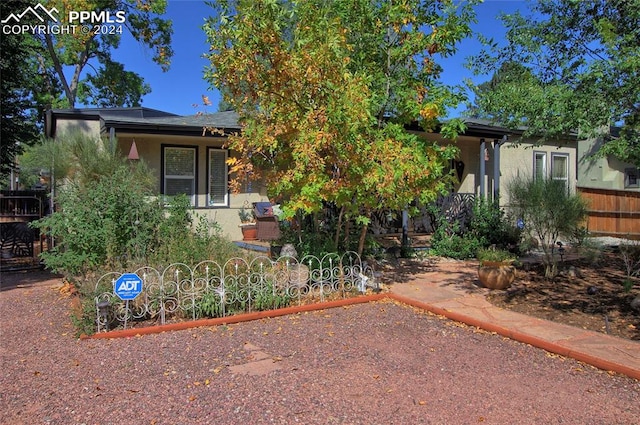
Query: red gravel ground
379,363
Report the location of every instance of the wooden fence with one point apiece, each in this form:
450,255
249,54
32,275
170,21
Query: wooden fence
613,212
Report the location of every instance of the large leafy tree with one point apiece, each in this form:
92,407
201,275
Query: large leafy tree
569,66
81,64
49,69
324,90
16,83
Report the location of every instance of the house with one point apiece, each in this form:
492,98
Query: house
188,160
612,188
184,158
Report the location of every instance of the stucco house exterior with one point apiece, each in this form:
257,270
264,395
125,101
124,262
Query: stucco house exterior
612,188
184,158
188,160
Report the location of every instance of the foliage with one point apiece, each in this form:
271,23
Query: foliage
324,89
492,227
494,255
179,241
630,253
314,234
17,114
549,212
44,70
84,315
77,66
246,214
570,66
266,298
489,226
110,216
449,241
105,223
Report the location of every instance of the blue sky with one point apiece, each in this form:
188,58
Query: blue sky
182,87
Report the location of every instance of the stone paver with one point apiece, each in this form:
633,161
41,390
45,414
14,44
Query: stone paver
436,292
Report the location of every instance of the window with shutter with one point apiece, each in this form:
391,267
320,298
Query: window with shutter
179,171
218,189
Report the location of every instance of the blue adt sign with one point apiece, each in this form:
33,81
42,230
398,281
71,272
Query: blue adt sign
128,286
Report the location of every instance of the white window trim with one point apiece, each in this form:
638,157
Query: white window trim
566,178
210,152
545,169
166,176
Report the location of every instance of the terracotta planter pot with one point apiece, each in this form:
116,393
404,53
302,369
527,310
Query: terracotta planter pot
495,275
249,232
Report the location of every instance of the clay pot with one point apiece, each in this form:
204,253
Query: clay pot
495,275
249,232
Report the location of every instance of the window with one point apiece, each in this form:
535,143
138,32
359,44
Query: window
539,165
560,168
179,171
218,193
631,177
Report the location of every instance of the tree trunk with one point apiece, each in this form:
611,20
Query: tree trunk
363,237
336,239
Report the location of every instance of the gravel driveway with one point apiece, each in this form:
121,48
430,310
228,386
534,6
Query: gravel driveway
379,363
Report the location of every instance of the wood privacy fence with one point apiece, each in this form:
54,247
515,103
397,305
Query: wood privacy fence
613,212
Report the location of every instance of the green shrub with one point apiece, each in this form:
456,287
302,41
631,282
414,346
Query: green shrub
115,220
106,222
493,255
549,212
449,241
492,227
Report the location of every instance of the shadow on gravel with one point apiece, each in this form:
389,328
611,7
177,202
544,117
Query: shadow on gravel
26,278
403,270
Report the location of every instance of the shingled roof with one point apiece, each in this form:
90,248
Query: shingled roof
146,120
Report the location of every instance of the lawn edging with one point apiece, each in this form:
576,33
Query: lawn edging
515,335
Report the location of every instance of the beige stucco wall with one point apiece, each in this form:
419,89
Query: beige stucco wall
150,150
598,172
65,126
516,159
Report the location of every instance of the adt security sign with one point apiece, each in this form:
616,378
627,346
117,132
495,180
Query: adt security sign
128,286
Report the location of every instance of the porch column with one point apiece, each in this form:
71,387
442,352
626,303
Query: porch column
496,167
482,167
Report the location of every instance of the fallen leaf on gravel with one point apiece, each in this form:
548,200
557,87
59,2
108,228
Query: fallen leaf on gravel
133,391
376,376
36,373
196,383
192,398
422,402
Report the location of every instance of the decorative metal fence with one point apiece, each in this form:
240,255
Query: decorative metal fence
238,286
